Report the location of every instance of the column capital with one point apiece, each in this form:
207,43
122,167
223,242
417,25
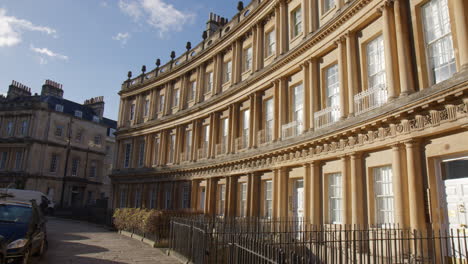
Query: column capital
355,155
411,143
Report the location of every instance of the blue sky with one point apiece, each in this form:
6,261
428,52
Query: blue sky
90,45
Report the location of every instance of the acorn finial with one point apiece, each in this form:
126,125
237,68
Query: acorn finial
158,63
143,69
129,75
240,6
204,35
188,46
172,55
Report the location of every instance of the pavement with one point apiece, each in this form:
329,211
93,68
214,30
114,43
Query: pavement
75,242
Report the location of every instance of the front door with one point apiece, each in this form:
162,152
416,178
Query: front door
456,195
455,181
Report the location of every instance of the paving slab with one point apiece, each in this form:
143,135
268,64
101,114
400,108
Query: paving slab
76,242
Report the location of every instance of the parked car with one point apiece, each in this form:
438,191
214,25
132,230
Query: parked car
23,227
46,205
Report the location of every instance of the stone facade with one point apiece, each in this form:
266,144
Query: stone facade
48,142
338,111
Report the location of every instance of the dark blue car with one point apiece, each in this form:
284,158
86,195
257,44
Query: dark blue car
23,227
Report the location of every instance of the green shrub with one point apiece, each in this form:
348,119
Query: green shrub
147,221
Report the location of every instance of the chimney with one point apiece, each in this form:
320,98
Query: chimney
97,104
214,23
17,89
51,88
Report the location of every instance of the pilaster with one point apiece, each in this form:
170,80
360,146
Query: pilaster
357,183
398,186
352,70
389,37
403,47
342,76
415,186
461,30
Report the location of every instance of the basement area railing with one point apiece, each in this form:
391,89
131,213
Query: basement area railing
211,240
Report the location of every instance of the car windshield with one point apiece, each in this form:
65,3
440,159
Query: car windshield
15,213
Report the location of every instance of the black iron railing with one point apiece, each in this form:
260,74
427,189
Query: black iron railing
212,240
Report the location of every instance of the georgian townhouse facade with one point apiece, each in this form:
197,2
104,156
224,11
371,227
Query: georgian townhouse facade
337,111
56,146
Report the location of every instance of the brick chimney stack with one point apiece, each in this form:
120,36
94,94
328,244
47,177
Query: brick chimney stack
97,104
17,89
51,88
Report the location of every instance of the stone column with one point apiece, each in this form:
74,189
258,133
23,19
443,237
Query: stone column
314,91
237,62
352,70
277,30
260,45
277,110
283,105
154,99
195,140
194,195
255,194
398,186
307,192
342,76
460,17
357,183
307,95
346,190
315,187
314,15
305,16
403,47
276,193
252,118
231,198
388,35
218,74
234,126
284,24
283,196
256,118
254,48
415,186
212,141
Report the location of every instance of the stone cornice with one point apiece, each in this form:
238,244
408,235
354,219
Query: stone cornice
311,40
406,118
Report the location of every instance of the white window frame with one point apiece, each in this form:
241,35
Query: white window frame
171,153
375,56
221,199
127,155
162,100
247,59
78,114
10,129
270,43
227,71
24,127
328,5
209,82
59,108
335,197
269,119
141,154
298,106
75,166
296,18
268,205
146,108
18,160
243,199
193,90
93,168
441,40
176,98
132,111
383,196
54,159
157,145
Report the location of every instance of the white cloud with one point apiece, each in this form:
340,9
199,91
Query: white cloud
122,37
158,14
11,29
47,52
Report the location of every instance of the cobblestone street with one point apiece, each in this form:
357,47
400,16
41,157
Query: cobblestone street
74,242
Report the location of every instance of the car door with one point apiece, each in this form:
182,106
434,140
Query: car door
38,228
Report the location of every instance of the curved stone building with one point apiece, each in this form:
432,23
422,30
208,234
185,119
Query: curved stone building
339,111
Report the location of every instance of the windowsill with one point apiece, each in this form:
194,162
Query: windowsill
269,57
207,93
247,72
296,37
328,12
226,84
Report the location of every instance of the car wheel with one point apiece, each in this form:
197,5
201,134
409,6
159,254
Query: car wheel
42,248
27,256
